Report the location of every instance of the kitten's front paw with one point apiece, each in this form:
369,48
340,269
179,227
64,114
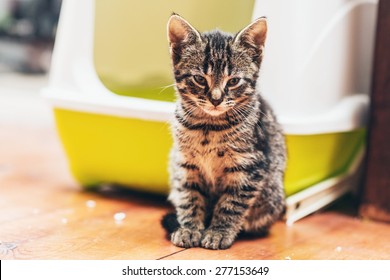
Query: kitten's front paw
214,239
187,238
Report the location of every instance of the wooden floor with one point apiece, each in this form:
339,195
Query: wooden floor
44,214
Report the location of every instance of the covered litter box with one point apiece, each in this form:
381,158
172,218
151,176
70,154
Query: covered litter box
111,65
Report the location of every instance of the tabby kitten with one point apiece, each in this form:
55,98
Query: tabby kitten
228,158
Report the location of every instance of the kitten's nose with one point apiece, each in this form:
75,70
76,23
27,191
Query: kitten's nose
216,102
216,97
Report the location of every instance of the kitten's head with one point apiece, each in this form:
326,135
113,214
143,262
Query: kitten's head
215,71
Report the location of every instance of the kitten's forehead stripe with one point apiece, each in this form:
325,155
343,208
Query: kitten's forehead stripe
217,54
206,58
228,55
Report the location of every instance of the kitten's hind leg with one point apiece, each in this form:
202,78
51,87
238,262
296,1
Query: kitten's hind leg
265,211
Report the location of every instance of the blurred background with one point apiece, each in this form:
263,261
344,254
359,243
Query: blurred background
27,31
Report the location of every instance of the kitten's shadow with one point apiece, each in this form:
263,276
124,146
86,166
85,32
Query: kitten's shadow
135,197
252,235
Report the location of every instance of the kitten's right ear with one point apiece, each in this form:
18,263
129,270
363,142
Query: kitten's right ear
180,33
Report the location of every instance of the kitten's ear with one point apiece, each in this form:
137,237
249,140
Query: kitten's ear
180,31
180,35
254,34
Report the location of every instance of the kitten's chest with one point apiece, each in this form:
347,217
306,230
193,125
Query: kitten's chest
212,155
206,147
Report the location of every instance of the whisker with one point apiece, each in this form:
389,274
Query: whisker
187,111
266,116
165,87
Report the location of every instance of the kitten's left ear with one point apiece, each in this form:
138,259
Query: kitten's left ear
254,34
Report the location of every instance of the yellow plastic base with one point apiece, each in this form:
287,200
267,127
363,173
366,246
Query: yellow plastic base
134,152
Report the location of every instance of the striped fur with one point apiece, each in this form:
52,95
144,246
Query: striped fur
228,159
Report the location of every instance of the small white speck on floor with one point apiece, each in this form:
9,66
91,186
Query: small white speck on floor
338,249
90,204
64,221
119,217
287,258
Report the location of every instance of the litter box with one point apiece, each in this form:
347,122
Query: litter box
114,123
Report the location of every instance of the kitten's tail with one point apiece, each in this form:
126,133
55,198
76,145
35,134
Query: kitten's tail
170,223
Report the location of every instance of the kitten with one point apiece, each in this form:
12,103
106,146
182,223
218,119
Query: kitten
228,158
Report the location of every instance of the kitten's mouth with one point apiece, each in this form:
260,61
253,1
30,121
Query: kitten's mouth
214,111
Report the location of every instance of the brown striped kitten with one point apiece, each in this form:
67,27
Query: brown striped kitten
228,158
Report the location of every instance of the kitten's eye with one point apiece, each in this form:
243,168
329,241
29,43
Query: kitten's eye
200,80
233,82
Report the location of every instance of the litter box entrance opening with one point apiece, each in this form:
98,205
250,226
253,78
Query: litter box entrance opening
131,54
